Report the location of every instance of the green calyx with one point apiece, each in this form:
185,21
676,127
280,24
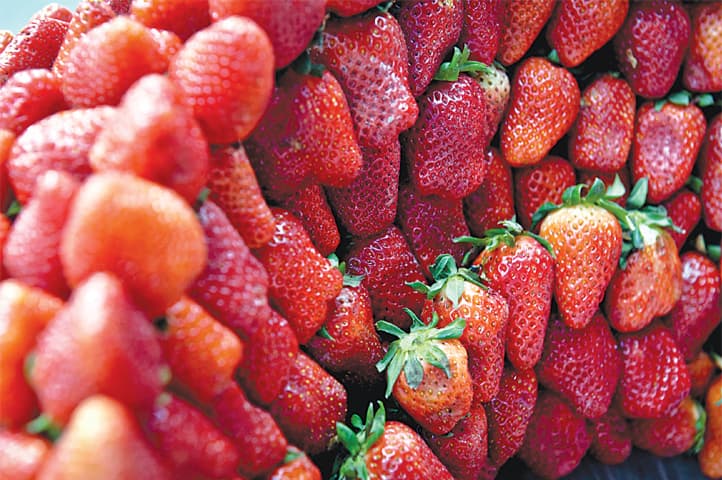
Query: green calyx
44,425
448,278
460,63
358,442
684,98
699,424
14,209
712,251
348,280
694,184
411,348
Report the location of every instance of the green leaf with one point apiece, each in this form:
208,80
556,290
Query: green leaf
351,280
596,191
202,197
437,357
543,242
390,328
682,98
356,422
43,425
14,209
414,372
416,322
616,189
377,425
420,287
694,184
554,57
323,333
291,455
454,289
704,100
443,267
449,71
638,195
542,212
383,364
659,104
334,261
394,370
348,438
474,241
453,330
700,425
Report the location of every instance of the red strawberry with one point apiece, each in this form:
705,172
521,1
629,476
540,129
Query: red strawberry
710,457
184,19
463,450
4,231
368,56
544,103
311,208
29,96
168,43
21,455
684,208
711,158
201,353
32,249
59,142
120,7
587,177
509,413
543,182
481,29
296,466
523,21
309,406
368,205
602,133
387,265
493,201
556,439
612,440
305,298
153,134
233,287
673,434
650,45
654,376
431,28
578,28
702,67
290,25
225,72
349,8
701,368
7,138
141,232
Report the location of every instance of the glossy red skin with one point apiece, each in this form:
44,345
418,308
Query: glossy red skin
430,28
493,201
387,265
463,451
32,249
368,205
184,19
481,29
699,309
368,56
668,436
311,208
349,8
21,455
522,23
612,441
579,28
587,177
541,183
29,96
601,136
684,208
665,146
300,468
711,161
654,378
651,44
702,68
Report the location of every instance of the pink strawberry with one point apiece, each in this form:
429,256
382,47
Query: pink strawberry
543,182
311,208
612,440
29,96
21,455
482,29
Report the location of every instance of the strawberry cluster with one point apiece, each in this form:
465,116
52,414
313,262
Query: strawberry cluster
303,239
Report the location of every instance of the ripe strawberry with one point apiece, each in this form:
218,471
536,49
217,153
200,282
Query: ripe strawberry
673,434
463,450
544,103
582,365
233,287
684,208
579,28
184,19
141,232
32,249
103,440
493,201
654,376
168,43
309,406
608,178
711,158
650,46
21,455
368,450
59,142
387,265
481,29
540,183
120,7
612,440
201,353
225,72
368,205
4,232
311,208
24,313
522,23
153,135
7,138
665,146
29,96
702,68
431,28
701,368
349,8
556,439
368,56
710,457
296,466
602,133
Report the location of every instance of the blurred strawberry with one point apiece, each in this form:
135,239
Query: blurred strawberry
701,368
711,158
493,201
543,182
311,208
463,450
120,7
481,29
168,43
29,96
296,466
710,457
684,208
611,441
702,68
349,8
522,23
21,455
7,138
4,232
673,434
182,18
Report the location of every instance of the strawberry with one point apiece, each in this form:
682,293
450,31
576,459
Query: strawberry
143,233
578,28
168,43
7,138
387,265
665,146
702,68
296,466
120,7
612,440
521,24
427,372
602,133
309,406
493,201
153,134
587,177
201,353
710,457
29,96
233,287
21,455
495,89
481,29
311,208
556,439
24,313
543,182
368,450
508,413
368,56
304,301
32,249
103,440
673,434
654,376
4,231
544,103
290,25
711,158
701,368
582,365
59,142
650,45
431,28
463,451
184,19
306,136
684,208
367,206
349,8
225,72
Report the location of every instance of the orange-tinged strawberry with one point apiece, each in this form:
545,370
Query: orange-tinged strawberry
182,18
7,138
4,231
543,182
711,159
493,201
672,434
701,369
523,21
21,455
296,466
703,65
349,8
312,209
29,96
612,441
710,457
168,43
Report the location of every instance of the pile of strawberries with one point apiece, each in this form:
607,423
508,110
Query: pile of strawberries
303,239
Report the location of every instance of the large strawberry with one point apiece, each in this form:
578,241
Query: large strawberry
674,434
493,201
482,29
312,209
29,96
523,21
538,184
711,158
184,19
702,67
21,455
612,440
